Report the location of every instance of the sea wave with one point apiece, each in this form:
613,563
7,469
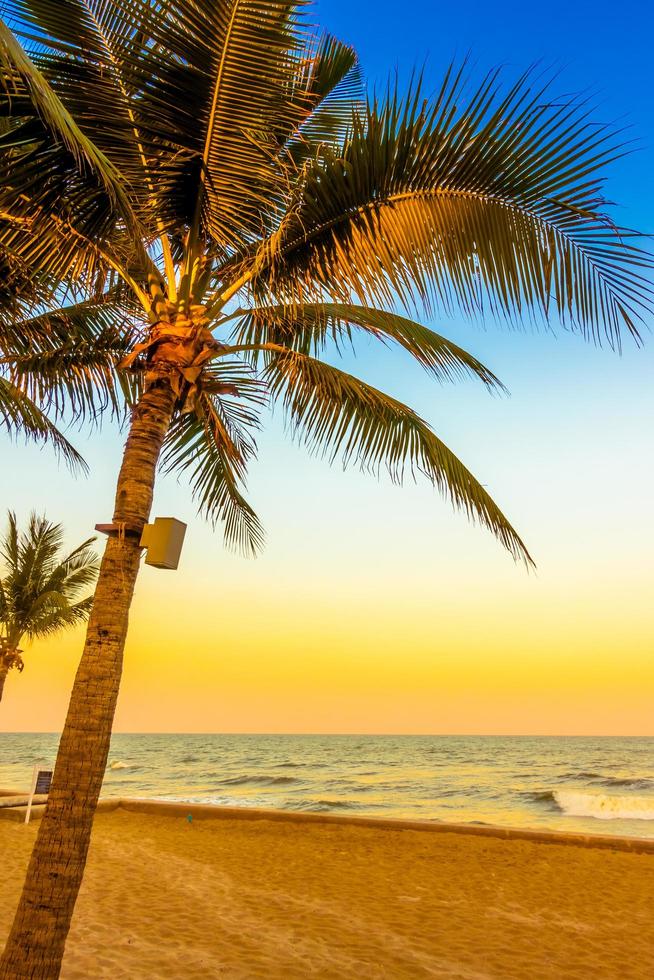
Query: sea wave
348,786
254,780
324,806
539,796
601,779
315,806
210,800
118,764
300,765
603,806
628,782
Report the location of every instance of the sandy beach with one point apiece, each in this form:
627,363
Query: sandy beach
165,898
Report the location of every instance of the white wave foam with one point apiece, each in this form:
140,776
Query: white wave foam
117,764
604,806
247,801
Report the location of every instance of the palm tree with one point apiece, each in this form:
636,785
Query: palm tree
219,165
40,588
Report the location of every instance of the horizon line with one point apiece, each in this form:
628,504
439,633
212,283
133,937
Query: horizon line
359,734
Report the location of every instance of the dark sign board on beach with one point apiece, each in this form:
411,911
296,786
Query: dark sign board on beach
43,781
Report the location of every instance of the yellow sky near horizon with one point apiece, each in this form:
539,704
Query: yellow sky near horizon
397,643
361,671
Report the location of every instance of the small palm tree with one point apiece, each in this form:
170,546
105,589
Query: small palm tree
40,587
215,166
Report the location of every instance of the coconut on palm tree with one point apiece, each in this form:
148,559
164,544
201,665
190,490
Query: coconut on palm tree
217,164
41,588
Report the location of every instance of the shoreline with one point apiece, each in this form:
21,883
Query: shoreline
206,811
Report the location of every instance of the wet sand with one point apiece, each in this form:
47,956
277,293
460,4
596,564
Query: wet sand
242,898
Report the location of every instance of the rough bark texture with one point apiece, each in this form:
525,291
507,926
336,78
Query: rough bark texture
36,943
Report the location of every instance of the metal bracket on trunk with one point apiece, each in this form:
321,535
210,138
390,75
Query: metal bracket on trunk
162,540
120,530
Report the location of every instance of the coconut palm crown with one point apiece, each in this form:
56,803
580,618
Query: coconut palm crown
40,587
216,166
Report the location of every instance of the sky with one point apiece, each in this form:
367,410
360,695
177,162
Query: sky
377,608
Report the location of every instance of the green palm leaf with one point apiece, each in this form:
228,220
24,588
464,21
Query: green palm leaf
27,90
327,89
307,327
64,207
339,415
100,59
478,201
187,100
19,290
248,57
65,360
21,416
213,446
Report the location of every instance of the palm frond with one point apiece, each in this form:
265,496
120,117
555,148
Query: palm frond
21,416
65,359
336,415
55,616
27,93
67,575
307,327
480,201
20,292
62,201
10,542
327,90
184,98
246,66
101,59
39,325
213,446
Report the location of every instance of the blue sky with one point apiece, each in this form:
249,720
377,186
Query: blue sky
602,49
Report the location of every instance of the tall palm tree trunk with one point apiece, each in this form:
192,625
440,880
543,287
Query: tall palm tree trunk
3,677
35,946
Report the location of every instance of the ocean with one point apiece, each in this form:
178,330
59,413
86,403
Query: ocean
596,785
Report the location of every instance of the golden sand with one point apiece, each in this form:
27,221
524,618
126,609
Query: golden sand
165,898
